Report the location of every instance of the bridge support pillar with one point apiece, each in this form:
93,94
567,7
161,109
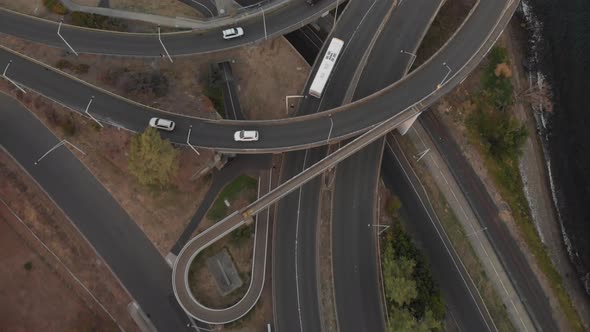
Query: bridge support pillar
404,127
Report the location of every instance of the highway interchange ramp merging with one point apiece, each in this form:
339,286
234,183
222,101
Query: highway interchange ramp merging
417,90
372,116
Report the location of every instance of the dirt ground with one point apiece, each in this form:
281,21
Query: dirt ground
47,298
158,7
161,214
29,7
325,275
202,281
39,292
264,75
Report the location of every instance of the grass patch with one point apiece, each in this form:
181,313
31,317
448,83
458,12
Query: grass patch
499,137
242,184
215,94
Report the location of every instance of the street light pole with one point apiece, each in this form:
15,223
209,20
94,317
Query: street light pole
264,23
383,228
63,142
413,58
90,115
11,81
444,78
64,40
187,140
164,47
331,126
287,101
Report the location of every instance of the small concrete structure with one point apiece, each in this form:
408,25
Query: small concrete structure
225,273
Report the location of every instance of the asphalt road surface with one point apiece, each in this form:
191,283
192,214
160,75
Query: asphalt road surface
421,87
295,270
117,239
83,40
462,301
507,249
355,261
354,258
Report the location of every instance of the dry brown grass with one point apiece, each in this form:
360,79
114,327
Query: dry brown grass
47,297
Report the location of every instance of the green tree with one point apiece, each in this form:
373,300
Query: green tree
400,287
401,320
152,159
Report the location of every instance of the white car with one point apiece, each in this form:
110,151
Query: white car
246,136
163,124
233,33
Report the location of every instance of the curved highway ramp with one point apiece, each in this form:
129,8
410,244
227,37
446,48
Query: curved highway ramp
185,258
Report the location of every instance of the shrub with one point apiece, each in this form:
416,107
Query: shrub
81,68
215,94
147,83
497,86
242,234
393,206
499,132
28,266
68,127
95,21
55,7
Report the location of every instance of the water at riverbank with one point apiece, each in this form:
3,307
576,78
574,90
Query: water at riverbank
560,45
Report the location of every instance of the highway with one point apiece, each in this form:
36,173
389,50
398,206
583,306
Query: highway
132,258
278,22
318,168
355,260
387,108
295,270
349,149
424,85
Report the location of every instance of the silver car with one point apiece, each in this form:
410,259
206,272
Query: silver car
163,124
246,136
